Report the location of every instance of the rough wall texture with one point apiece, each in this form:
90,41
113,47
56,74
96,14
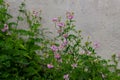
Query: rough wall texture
99,19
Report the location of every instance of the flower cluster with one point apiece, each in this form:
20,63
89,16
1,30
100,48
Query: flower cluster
74,65
5,28
54,48
50,66
70,15
57,56
35,13
66,77
55,19
61,24
96,45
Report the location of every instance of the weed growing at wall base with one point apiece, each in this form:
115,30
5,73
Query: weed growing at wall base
31,55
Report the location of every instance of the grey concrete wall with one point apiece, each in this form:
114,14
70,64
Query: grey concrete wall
99,19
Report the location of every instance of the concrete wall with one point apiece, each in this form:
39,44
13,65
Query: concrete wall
99,19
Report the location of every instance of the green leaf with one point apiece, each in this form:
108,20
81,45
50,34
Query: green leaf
30,71
20,18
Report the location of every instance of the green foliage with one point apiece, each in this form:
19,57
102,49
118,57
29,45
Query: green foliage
18,54
4,16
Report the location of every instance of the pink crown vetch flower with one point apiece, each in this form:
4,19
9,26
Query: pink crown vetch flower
54,48
66,77
35,13
96,45
65,42
5,28
57,56
50,66
74,65
55,19
61,24
70,15
61,47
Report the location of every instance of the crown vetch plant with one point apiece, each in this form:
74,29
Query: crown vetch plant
78,61
29,54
